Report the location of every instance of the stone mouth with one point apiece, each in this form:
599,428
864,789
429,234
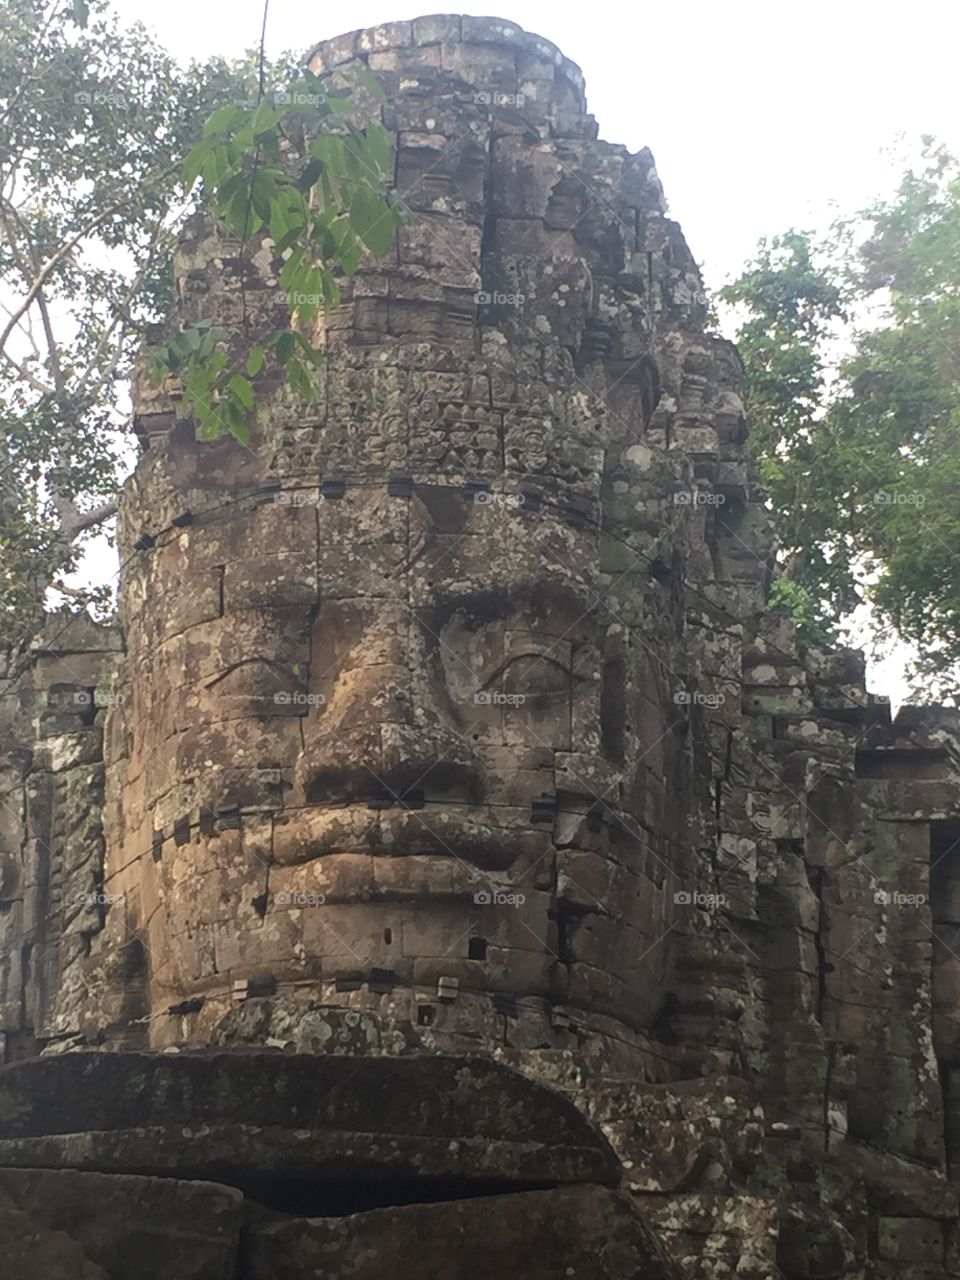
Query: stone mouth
486,838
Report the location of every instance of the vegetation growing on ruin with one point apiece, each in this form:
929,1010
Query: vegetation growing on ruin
852,355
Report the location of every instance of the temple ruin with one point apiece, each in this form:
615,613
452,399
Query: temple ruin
447,862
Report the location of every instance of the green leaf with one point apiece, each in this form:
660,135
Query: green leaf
380,146
331,291
329,150
310,174
223,119
265,118
364,210
241,390
288,275
196,162
350,258
262,190
237,424
379,235
365,77
255,361
241,215
285,345
338,103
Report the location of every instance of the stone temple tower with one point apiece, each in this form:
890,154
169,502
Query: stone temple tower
445,744
406,719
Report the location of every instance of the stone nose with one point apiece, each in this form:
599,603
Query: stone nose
386,725
380,671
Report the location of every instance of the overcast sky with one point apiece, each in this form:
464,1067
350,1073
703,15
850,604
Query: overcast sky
761,115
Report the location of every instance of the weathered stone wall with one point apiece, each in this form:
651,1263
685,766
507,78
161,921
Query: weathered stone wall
449,717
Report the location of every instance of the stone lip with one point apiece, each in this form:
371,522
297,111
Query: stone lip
236,1116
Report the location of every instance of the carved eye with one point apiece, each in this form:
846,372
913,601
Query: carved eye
540,680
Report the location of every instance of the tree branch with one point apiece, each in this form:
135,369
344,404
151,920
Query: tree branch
81,521
48,267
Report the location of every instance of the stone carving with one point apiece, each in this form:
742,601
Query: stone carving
448,719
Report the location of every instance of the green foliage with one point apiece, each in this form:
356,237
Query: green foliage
791,307
856,424
813,630
295,168
94,123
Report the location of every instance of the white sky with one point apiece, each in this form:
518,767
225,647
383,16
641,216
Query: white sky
761,116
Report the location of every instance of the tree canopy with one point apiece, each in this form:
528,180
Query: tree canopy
851,345
106,145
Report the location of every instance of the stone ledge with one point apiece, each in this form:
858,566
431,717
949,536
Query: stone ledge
234,1116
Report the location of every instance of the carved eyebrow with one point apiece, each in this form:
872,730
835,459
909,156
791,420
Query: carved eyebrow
527,654
494,604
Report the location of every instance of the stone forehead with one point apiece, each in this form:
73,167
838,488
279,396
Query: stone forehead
445,30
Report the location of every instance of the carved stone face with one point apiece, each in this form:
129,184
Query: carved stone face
405,732
444,764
